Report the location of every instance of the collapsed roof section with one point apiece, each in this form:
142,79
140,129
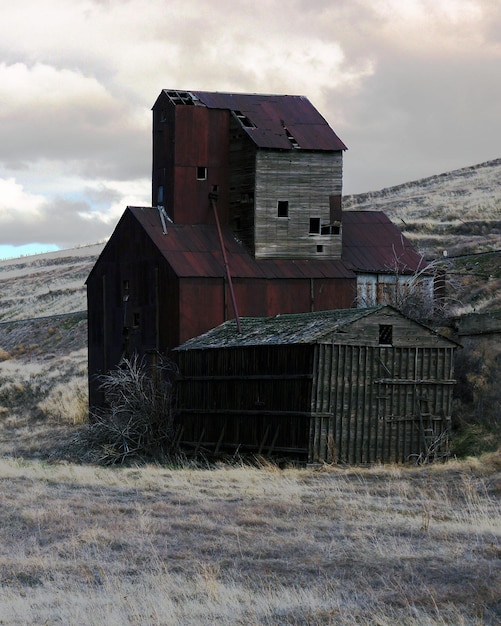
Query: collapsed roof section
271,121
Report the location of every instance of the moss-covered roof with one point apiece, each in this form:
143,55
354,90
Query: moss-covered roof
278,330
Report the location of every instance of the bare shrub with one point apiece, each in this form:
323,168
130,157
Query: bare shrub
138,420
428,294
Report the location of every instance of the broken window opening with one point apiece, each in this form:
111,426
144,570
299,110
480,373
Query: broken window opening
291,138
244,120
181,97
283,208
385,334
330,229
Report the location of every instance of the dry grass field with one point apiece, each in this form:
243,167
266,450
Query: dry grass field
226,545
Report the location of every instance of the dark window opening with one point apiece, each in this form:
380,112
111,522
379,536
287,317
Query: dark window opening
215,188
283,208
291,138
320,248
125,290
244,120
314,225
201,173
160,194
330,229
385,335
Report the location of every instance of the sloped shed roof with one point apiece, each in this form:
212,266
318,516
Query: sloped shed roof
265,118
194,251
372,243
279,330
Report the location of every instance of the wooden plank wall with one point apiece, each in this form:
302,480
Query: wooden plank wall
305,180
380,404
251,399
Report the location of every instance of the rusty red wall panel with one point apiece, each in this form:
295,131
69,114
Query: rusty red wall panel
251,297
202,306
288,296
201,140
333,294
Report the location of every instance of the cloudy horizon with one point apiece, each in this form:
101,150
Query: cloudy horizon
410,87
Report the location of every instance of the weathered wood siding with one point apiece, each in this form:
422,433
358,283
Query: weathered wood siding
346,398
306,180
380,404
374,289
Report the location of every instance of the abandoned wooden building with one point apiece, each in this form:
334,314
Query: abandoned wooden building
246,220
348,386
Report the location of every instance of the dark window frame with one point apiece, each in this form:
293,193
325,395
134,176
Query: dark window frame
315,227
385,335
282,208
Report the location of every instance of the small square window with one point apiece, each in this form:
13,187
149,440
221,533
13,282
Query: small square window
283,208
320,248
385,334
314,225
201,173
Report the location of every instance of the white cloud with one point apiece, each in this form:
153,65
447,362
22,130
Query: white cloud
17,205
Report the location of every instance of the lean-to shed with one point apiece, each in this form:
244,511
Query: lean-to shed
347,386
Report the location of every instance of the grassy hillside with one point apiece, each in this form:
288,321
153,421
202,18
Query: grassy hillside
457,213
46,284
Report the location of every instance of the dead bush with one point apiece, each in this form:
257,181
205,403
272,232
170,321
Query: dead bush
138,420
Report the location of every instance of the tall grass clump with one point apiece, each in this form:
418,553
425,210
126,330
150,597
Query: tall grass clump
67,402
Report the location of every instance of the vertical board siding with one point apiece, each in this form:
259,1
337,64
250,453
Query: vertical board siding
249,400
342,398
386,404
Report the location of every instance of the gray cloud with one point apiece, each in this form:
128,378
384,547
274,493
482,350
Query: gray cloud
411,88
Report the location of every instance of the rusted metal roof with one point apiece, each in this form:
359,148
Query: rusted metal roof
272,121
278,330
194,251
372,243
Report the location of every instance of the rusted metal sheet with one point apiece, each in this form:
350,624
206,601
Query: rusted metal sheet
372,243
194,250
272,115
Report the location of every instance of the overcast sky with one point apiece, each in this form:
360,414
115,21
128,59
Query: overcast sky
412,87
